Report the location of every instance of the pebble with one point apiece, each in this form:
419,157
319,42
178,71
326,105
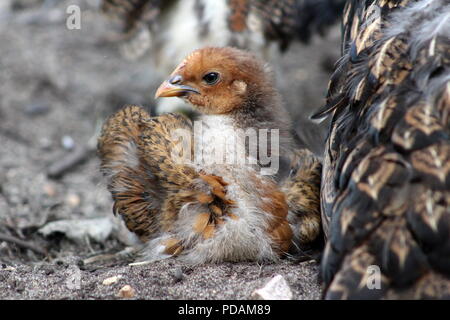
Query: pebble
67,142
126,292
178,275
7,268
73,200
49,189
111,280
45,143
276,289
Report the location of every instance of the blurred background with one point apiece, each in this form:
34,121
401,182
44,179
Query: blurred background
58,85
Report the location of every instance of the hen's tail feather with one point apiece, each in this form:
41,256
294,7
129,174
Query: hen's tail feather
386,182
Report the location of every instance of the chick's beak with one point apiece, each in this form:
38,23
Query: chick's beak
173,88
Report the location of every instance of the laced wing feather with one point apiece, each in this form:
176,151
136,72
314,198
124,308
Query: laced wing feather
386,176
149,180
135,152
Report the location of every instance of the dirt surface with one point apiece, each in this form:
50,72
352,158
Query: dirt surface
57,87
160,280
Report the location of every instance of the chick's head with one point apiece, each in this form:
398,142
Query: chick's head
218,80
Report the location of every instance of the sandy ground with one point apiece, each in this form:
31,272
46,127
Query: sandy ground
161,280
57,87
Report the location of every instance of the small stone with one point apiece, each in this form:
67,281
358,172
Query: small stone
49,189
178,275
7,268
73,200
276,289
126,292
111,280
45,143
67,142
47,269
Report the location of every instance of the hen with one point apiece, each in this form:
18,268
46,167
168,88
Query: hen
169,30
385,191
231,186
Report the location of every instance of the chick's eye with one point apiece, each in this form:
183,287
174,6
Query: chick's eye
211,78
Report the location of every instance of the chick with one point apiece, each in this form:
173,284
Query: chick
232,185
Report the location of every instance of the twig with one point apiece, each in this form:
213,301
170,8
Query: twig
23,244
8,133
61,166
124,254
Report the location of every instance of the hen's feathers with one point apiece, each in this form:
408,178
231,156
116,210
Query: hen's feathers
386,181
281,21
